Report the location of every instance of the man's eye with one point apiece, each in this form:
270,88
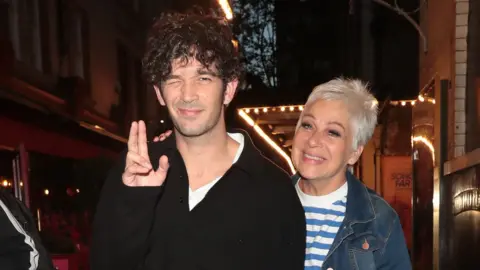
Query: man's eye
205,79
172,82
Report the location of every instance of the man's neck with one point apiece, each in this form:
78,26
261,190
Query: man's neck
206,152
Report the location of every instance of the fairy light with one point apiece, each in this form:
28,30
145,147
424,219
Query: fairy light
267,139
265,110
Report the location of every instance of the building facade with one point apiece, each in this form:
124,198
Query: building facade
447,203
70,85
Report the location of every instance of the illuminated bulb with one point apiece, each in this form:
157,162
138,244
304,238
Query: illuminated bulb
282,109
433,101
21,184
5,183
247,110
422,99
161,121
300,108
46,192
265,110
403,103
256,110
413,102
292,108
77,190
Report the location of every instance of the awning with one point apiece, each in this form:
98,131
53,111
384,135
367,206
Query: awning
275,125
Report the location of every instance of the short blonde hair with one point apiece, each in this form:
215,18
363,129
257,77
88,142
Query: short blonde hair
362,105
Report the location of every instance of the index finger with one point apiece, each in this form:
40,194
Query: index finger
133,138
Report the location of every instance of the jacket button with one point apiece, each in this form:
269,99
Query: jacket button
330,268
181,200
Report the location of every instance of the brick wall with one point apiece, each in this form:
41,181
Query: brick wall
461,31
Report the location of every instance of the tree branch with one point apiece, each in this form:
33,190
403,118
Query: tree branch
401,12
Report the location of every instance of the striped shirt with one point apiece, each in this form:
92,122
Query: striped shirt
324,215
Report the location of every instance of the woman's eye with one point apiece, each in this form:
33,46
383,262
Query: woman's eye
334,133
306,125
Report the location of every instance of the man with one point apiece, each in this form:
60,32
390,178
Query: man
203,198
20,244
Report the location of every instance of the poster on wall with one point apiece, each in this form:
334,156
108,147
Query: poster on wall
397,189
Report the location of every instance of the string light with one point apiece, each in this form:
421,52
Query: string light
427,142
226,9
265,137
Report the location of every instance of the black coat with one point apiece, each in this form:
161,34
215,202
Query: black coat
251,219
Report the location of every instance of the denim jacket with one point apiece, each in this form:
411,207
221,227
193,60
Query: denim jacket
371,237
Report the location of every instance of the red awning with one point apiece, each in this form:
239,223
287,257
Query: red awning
13,133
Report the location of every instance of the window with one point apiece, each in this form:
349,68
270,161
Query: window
25,31
72,38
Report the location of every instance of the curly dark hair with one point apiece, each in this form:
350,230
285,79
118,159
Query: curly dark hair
194,34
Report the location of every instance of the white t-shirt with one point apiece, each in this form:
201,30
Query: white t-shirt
196,196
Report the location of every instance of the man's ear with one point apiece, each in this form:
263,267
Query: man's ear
159,95
230,91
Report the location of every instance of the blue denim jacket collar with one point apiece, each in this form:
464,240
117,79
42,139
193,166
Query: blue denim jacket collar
356,212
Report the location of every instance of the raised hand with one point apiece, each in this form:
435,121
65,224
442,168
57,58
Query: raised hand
138,169
163,136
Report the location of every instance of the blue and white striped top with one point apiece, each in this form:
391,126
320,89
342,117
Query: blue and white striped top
324,216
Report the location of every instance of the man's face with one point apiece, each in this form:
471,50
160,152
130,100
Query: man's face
195,97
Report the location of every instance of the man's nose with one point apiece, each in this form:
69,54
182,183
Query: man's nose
189,92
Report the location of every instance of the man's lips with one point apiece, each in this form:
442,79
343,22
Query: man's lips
189,112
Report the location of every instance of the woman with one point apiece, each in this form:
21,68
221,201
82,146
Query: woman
348,225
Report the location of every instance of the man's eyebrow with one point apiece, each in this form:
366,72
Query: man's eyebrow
204,71
171,76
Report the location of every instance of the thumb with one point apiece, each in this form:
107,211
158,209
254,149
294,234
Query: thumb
163,166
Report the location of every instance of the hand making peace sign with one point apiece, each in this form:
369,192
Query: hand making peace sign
138,169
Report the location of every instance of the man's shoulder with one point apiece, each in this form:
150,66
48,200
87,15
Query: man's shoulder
268,170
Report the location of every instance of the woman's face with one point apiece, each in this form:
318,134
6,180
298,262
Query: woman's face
322,146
